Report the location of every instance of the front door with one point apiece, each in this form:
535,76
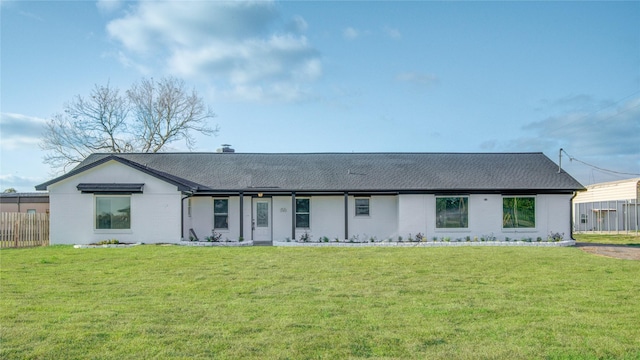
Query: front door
261,222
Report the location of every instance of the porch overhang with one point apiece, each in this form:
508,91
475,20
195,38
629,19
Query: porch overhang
110,188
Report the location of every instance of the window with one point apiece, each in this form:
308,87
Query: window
518,212
362,207
583,218
220,214
452,212
113,212
31,211
302,213
189,207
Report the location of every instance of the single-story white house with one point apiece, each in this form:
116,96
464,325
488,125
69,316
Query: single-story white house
608,207
167,197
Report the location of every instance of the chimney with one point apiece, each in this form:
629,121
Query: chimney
226,148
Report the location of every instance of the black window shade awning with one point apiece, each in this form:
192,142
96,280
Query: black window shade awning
115,188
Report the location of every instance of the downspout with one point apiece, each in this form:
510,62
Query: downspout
242,214
575,193
346,215
182,215
293,216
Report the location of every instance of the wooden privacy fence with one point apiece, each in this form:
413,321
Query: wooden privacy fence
23,230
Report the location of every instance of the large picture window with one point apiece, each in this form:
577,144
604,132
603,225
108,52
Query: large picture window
113,212
302,213
452,212
518,212
220,213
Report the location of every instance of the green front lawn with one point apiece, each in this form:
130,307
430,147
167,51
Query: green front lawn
616,239
333,303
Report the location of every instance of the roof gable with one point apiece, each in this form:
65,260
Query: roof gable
182,184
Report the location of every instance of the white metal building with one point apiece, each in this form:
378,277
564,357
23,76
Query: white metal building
608,207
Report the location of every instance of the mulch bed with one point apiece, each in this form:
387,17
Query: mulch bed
613,251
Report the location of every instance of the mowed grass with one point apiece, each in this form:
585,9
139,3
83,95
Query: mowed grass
614,239
317,303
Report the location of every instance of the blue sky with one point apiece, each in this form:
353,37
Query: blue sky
342,76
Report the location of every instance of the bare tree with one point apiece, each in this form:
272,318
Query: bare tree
165,112
87,125
151,115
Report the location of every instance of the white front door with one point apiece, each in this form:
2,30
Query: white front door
261,222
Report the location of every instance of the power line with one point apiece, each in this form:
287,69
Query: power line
571,158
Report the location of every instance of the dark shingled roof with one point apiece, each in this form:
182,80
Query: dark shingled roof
339,172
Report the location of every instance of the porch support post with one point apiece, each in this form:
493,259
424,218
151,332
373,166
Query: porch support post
293,216
241,214
346,215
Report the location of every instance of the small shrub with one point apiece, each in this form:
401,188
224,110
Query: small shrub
305,237
325,239
468,238
507,239
215,236
538,238
435,238
108,242
399,238
488,238
241,239
420,237
555,236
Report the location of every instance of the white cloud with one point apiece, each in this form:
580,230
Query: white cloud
108,6
298,24
20,131
350,33
392,33
613,132
417,78
20,183
608,138
236,42
128,62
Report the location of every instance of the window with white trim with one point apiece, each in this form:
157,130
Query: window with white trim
452,212
362,206
518,212
220,213
303,213
113,212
